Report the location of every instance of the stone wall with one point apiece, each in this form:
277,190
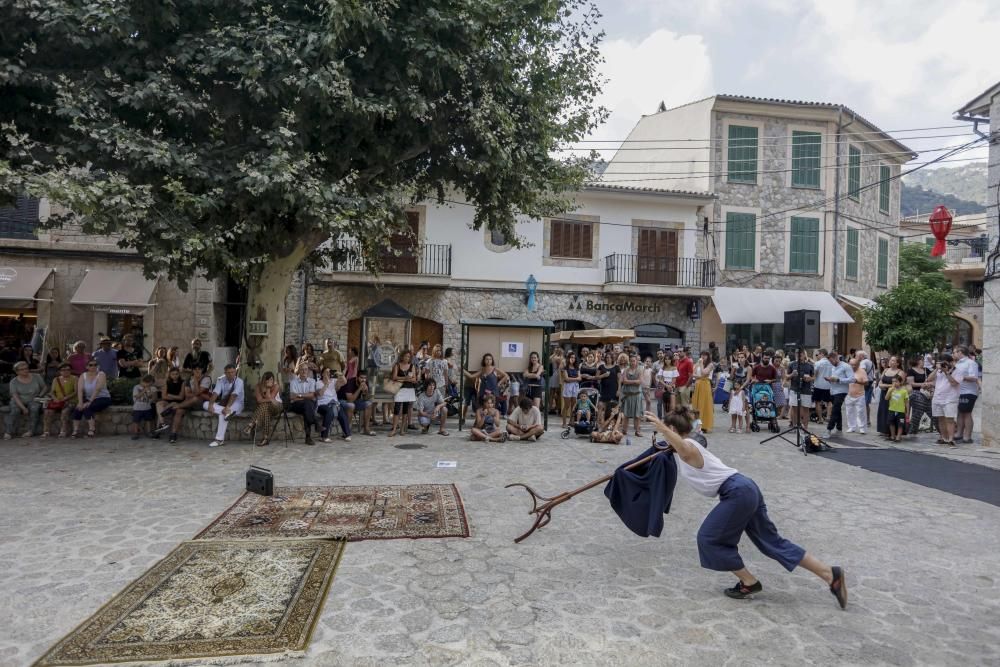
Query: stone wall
332,305
991,313
772,194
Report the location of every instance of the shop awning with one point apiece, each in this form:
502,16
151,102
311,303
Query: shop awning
594,335
123,289
21,283
857,301
742,305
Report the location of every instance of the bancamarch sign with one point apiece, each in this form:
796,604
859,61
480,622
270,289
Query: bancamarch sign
603,306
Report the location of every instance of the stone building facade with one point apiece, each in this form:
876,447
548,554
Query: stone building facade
173,316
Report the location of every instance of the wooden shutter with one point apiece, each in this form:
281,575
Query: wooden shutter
882,277
853,172
884,174
806,153
852,253
803,256
556,240
741,240
742,154
571,239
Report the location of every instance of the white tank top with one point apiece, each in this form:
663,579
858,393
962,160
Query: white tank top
707,479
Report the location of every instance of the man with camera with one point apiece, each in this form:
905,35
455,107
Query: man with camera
944,404
355,397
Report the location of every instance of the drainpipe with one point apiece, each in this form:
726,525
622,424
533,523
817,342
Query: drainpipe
975,123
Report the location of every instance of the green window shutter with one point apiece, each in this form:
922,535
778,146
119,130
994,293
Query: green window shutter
803,256
853,172
742,158
884,174
806,153
852,253
930,242
741,246
883,263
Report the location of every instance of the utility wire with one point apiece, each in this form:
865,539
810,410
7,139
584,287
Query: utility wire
747,143
784,136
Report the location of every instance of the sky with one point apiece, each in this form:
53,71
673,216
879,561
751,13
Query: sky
900,64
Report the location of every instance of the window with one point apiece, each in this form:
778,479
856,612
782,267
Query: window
852,253
571,239
742,166
853,172
884,176
803,253
741,246
20,220
497,237
882,278
806,149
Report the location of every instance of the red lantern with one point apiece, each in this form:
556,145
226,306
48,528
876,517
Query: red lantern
940,226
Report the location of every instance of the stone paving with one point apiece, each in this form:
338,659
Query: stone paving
84,518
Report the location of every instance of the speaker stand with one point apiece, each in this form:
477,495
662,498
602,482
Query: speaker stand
795,428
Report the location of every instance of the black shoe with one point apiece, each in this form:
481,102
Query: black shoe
741,591
309,440
161,428
839,586
173,438
155,435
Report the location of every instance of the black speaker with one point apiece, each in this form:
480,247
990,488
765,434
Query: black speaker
802,328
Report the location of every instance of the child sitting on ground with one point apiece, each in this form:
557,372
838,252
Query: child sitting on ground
143,413
585,408
899,403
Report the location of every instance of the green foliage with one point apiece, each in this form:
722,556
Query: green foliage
216,136
909,319
916,264
121,390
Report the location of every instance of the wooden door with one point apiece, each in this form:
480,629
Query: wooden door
656,263
354,337
406,245
425,330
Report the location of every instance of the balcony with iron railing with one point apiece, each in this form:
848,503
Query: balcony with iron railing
688,272
968,252
973,296
421,259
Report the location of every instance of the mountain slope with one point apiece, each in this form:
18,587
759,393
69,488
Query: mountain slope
918,201
966,182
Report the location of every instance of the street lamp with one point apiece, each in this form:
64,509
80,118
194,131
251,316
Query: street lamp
940,226
531,284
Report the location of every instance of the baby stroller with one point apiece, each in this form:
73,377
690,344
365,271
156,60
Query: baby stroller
762,407
583,427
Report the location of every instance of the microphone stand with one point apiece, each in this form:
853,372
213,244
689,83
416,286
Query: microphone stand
796,427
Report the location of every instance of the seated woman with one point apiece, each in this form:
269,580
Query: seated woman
25,387
197,390
92,396
63,394
613,429
173,396
487,425
268,397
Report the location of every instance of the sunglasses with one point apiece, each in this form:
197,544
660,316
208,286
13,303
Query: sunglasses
91,365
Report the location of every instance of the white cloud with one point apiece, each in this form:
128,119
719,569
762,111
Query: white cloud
664,67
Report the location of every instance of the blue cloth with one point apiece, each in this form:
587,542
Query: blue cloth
741,509
641,497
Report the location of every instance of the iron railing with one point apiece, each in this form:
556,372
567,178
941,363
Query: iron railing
422,259
973,296
968,251
649,270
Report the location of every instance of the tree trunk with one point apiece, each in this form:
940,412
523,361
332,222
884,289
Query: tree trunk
266,300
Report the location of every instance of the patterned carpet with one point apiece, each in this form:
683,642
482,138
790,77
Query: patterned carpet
348,512
210,601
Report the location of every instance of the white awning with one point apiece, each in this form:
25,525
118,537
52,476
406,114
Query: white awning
21,283
122,289
742,305
857,301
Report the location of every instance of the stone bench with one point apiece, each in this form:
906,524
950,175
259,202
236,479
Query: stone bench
197,425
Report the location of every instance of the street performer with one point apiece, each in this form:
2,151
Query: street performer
741,509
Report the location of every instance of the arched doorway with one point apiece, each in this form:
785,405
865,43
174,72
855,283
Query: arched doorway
961,334
573,325
655,336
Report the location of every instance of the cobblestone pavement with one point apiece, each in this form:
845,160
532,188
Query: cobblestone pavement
84,518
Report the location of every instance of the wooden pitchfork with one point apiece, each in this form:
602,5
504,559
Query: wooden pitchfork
543,512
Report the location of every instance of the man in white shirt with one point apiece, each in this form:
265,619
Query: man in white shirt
226,400
302,392
525,423
968,391
821,386
944,404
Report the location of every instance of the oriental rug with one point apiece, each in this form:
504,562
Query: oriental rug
210,603
348,512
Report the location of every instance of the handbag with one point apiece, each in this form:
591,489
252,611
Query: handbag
260,480
55,404
391,386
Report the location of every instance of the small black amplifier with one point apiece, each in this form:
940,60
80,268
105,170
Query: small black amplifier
260,480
